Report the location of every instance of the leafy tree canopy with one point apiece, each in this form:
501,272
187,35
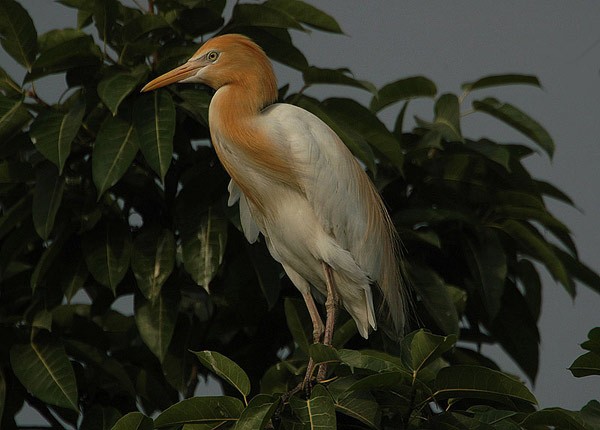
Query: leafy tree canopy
113,193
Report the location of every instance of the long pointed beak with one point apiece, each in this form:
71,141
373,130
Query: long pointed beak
176,75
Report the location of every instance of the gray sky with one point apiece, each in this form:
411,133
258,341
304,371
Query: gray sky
460,41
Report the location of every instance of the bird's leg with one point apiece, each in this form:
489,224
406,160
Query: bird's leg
331,309
318,328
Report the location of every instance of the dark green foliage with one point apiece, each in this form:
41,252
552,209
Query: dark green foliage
112,193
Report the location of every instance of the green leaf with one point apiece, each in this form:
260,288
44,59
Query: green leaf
366,124
361,406
226,369
321,353
533,243
47,198
307,14
258,413
203,246
278,45
142,25
53,132
105,14
498,80
476,382
268,273
134,421
421,348
371,360
154,118
447,117
46,262
44,369
586,365
17,33
436,297
13,116
61,50
156,320
195,103
107,250
115,148
315,75
557,418
593,342
487,263
318,412
2,393
262,15
209,409
517,119
296,316
99,418
153,260
492,151
403,89
9,86
114,88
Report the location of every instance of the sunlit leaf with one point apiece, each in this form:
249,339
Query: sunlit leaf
153,260
134,421
479,383
258,413
209,409
156,319
154,118
226,369
53,132
403,89
307,14
44,369
115,148
498,80
107,250
517,119
47,198
17,33
203,246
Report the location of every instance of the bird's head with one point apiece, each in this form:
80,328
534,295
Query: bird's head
224,60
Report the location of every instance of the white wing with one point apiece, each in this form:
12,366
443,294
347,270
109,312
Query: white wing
249,226
341,194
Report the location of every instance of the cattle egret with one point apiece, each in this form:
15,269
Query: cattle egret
298,185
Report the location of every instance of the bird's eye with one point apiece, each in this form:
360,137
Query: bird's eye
212,56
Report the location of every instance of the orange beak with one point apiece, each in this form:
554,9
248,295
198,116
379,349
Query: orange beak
178,74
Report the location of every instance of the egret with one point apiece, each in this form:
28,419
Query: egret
299,185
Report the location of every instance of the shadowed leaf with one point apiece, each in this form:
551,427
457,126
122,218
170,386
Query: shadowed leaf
209,409
17,33
318,412
153,260
134,421
226,369
154,119
517,119
13,116
47,198
115,149
258,413
497,80
44,369
307,14
403,89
